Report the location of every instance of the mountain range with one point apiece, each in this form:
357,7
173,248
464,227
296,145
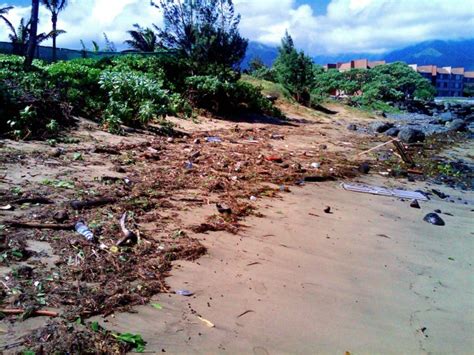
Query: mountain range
437,52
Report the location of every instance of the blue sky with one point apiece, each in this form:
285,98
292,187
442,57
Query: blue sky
317,26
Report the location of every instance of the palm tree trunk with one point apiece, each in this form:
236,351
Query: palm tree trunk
54,19
33,33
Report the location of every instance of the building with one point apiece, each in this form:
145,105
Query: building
448,81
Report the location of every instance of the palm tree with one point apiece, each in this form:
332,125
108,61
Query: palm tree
33,32
20,37
143,39
55,7
4,11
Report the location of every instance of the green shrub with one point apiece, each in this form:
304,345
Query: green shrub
133,99
78,81
224,97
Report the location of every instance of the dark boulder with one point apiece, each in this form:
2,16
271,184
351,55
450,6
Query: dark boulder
434,219
381,127
410,135
392,132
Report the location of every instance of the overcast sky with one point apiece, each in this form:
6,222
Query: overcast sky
317,26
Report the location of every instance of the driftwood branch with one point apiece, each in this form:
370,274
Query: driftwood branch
128,234
34,313
79,205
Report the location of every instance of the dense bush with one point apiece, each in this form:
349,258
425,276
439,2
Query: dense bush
78,81
134,99
224,97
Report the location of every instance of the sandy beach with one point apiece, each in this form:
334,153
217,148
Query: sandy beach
372,277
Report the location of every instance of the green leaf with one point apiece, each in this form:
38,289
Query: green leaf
157,306
135,340
17,253
95,326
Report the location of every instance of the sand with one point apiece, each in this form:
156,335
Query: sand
369,278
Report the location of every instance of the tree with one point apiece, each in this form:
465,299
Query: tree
4,11
109,45
203,31
30,53
55,7
294,70
20,36
143,39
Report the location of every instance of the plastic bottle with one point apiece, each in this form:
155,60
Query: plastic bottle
82,229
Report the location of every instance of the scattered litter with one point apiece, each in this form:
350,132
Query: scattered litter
157,305
274,158
185,293
208,323
284,188
213,140
188,165
253,198
128,234
315,165
82,229
7,208
434,219
383,191
223,208
277,136
415,204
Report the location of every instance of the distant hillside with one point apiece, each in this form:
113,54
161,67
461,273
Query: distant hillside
266,53
441,53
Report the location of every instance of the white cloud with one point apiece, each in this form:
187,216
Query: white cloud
348,26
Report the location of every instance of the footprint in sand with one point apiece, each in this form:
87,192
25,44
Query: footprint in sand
259,288
260,350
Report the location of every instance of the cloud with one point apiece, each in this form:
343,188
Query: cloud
347,26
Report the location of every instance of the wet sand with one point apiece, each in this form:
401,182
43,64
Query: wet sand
372,277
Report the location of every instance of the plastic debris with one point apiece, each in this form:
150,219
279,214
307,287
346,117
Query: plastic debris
383,191
6,208
274,158
434,219
208,323
185,293
315,165
82,229
188,165
253,198
213,140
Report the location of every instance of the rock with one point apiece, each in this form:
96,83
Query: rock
434,219
380,113
415,204
392,132
457,125
381,127
61,216
410,135
352,127
364,168
446,116
327,209
323,147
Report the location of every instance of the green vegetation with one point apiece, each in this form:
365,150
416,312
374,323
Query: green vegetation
309,84
197,68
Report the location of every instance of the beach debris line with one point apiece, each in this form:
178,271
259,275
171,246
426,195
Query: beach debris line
383,191
434,218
